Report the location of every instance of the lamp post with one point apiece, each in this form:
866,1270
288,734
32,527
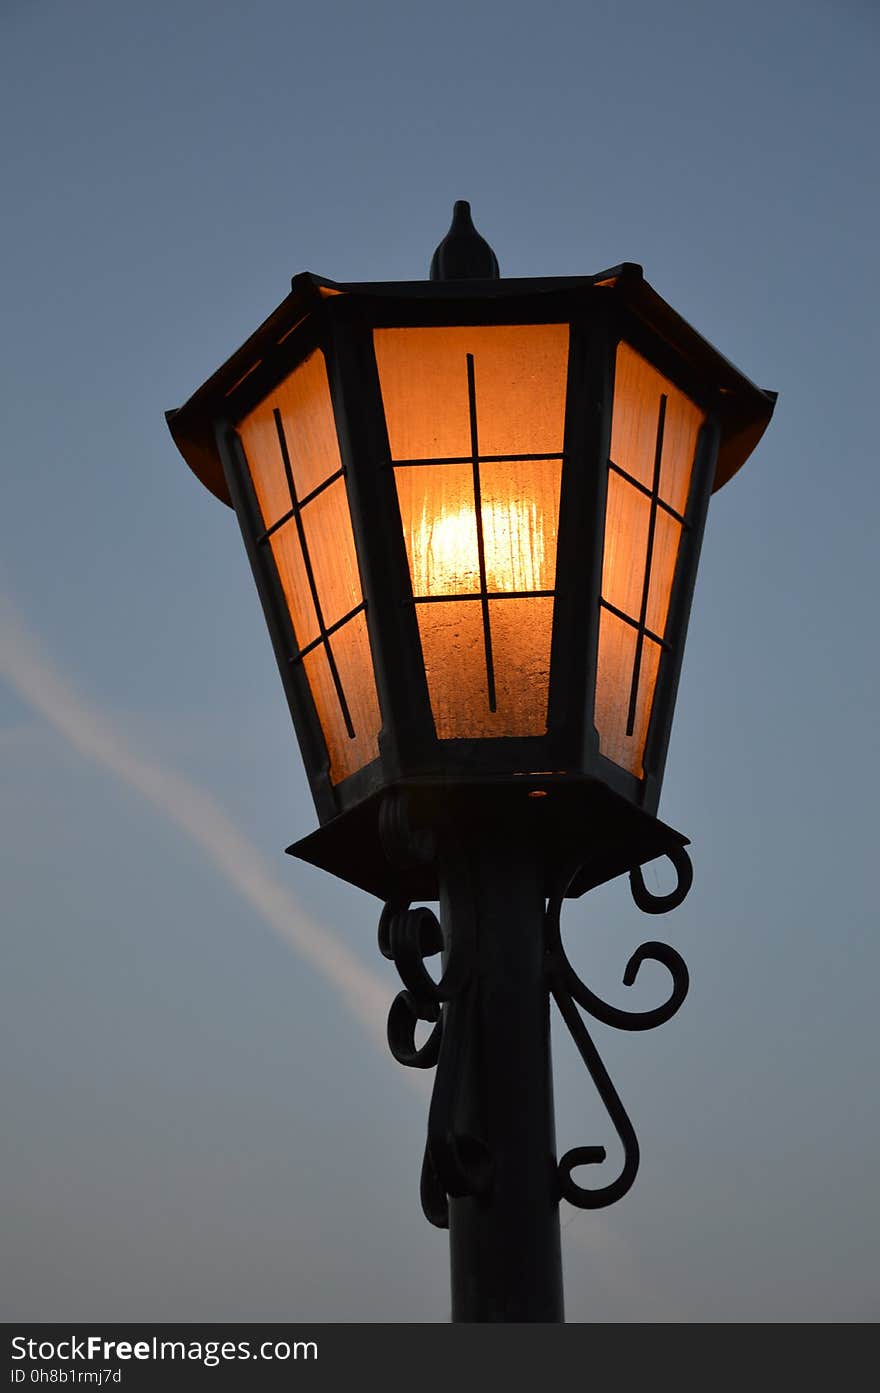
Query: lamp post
473,508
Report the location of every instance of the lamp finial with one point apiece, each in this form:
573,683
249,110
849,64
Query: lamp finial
464,254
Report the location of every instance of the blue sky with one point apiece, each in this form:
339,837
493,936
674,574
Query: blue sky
200,1120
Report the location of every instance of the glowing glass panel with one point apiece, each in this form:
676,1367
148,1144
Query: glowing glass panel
654,433
480,518
292,452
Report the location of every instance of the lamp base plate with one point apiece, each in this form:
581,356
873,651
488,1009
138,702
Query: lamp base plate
560,811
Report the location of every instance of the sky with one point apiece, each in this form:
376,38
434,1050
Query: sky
201,1120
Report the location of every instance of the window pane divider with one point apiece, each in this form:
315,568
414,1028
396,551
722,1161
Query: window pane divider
481,595
468,459
478,518
326,633
652,527
296,508
299,505
643,488
634,624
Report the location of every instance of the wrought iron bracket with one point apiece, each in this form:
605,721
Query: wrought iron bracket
569,992
457,1163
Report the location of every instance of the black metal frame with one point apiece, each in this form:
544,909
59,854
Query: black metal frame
577,780
342,328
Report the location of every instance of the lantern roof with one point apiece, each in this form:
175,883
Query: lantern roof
745,409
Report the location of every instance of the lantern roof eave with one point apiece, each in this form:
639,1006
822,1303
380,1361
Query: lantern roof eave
746,409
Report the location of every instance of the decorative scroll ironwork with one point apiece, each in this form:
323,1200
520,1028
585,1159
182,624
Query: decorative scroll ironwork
569,992
662,904
455,1163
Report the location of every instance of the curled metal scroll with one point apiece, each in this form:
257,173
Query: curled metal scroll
455,1163
662,904
567,989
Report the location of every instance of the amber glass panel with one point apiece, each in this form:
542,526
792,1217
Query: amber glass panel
321,583
521,633
519,373
617,654
327,527
502,390
350,647
638,388
664,555
627,521
681,427
288,556
303,400
259,436
440,528
520,519
642,542
519,511
455,664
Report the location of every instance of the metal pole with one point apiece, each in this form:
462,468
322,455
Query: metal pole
504,1247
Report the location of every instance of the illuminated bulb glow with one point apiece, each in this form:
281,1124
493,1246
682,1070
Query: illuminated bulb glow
445,551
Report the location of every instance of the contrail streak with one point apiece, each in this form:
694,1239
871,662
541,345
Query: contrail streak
47,690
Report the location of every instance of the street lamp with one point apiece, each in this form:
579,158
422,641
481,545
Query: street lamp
473,508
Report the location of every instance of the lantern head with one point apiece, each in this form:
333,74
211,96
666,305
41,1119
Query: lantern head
473,508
